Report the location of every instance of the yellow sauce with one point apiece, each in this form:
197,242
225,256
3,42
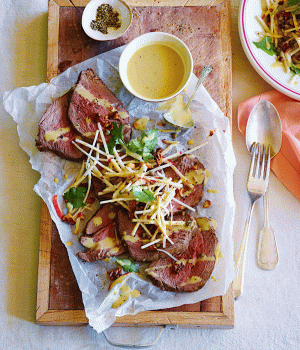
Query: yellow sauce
277,64
203,224
107,243
192,280
55,134
97,221
218,253
178,114
155,71
83,92
125,293
210,190
141,123
112,215
129,238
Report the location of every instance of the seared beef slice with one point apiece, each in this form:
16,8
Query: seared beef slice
93,102
194,171
181,237
193,268
107,213
101,239
55,131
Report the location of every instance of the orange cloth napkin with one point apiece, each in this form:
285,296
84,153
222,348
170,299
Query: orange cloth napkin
286,164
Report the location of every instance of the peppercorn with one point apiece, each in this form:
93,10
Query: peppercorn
106,18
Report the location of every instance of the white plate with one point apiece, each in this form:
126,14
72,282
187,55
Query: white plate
89,14
261,61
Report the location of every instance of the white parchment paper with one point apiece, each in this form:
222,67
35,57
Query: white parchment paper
28,104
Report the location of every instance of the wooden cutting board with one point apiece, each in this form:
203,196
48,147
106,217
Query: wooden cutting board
206,31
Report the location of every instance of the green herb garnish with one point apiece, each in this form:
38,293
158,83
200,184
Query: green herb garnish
266,45
144,145
294,3
128,265
294,69
142,194
75,196
116,137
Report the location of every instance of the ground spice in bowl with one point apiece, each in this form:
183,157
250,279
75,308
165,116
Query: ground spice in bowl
106,18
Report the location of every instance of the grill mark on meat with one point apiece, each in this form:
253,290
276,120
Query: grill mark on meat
56,132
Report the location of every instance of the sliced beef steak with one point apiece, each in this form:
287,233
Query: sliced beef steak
102,244
180,236
107,213
193,268
92,103
56,133
194,172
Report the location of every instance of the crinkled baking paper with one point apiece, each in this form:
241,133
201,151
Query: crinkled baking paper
28,104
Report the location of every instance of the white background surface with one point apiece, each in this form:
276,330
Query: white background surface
268,314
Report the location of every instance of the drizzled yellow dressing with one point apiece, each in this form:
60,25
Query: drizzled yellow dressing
178,114
97,221
55,134
125,293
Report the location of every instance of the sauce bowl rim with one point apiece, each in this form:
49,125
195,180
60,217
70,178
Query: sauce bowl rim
123,69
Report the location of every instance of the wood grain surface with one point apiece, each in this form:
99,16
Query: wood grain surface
206,31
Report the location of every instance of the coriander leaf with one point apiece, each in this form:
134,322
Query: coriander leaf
134,145
150,139
294,69
116,137
117,131
266,45
293,2
147,157
75,196
144,145
142,194
128,265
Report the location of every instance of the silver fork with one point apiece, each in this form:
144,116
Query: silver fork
257,184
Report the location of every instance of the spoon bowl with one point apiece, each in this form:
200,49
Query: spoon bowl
182,111
264,127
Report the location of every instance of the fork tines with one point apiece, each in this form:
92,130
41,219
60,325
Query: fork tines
260,161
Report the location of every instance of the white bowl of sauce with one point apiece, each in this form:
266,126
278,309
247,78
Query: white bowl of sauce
156,66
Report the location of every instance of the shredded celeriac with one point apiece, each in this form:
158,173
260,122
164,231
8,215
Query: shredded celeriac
135,175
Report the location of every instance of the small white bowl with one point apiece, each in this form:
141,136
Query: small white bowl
154,38
89,14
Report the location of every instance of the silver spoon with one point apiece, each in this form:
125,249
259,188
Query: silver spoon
264,126
169,117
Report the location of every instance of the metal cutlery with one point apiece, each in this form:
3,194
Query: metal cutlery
264,126
257,184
